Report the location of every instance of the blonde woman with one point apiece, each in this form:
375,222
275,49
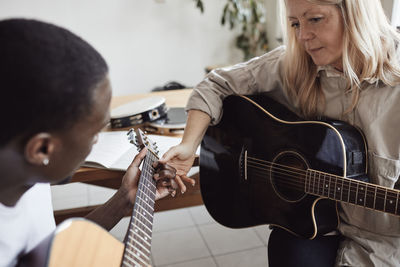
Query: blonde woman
341,61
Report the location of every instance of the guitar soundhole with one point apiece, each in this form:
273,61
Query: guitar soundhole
288,176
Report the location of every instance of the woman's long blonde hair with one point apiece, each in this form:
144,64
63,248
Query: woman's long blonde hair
369,54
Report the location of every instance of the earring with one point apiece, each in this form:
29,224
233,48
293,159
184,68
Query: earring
45,161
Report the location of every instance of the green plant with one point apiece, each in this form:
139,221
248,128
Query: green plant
250,16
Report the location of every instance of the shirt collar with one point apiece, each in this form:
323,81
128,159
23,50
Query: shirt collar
332,72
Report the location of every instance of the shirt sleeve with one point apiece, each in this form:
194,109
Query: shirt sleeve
260,74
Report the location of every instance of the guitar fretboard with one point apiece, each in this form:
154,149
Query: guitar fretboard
138,241
352,191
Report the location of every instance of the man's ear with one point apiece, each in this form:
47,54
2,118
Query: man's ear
39,148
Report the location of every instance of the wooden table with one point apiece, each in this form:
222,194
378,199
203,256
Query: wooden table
112,179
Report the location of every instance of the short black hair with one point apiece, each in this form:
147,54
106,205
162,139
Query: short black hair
47,78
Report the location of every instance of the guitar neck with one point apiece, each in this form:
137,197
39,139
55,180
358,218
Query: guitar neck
352,191
138,241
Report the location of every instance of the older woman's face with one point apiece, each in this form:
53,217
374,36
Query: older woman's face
319,29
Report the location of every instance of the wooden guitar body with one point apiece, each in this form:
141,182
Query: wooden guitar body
76,243
242,179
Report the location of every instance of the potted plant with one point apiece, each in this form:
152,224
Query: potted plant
249,15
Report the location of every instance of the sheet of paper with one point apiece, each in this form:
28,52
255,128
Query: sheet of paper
113,150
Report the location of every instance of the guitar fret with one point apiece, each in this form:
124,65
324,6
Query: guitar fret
311,176
345,189
142,241
376,188
138,254
391,201
139,231
130,263
142,220
334,191
319,184
326,186
149,203
369,198
352,192
149,217
309,181
341,193
357,190
329,187
365,194
361,194
397,202
379,204
134,260
384,202
143,223
313,182
146,191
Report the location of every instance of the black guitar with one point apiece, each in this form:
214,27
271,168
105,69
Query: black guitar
264,165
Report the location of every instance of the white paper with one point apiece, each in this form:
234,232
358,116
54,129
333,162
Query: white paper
114,151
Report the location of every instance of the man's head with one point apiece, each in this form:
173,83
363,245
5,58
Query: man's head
54,99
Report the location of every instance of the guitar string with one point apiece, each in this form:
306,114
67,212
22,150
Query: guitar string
353,184
378,207
146,241
316,188
142,190
287,168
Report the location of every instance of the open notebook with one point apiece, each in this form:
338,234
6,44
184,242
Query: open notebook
113,150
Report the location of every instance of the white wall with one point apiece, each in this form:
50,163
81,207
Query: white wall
387,7
396,13
145,42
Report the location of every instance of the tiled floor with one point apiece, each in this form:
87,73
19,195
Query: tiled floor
182,238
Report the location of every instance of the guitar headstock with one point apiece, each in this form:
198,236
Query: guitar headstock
141,140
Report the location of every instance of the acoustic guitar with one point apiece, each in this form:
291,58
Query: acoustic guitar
262,164
79,242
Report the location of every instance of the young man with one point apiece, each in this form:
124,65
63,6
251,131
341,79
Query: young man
55,100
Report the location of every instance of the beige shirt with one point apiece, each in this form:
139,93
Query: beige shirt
372,238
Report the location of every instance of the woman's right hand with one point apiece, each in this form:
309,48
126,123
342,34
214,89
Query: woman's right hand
181,157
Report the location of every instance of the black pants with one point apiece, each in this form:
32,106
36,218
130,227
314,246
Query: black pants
287,250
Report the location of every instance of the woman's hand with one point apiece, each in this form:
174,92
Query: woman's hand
165,180
181,157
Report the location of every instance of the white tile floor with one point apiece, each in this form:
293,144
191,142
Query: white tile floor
184,237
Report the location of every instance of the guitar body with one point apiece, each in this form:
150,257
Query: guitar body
240,180
76,243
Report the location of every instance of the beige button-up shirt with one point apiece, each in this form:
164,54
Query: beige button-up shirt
372,237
